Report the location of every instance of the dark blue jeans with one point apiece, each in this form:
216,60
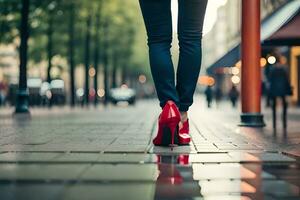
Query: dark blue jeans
158,21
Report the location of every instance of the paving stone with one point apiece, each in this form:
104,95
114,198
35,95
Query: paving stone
17,147
31,191
288,175
121,172
262,171
260,157
208,150
127,158
130,142
280,188
77,157
228,147
31,172
126,148
294,153
215,187
69,148
111,191
210,158
177,190
175,150
224,171
27,157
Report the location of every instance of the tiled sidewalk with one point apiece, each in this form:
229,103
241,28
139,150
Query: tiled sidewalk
107,154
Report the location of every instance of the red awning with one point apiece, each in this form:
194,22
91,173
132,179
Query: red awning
290,30
288,34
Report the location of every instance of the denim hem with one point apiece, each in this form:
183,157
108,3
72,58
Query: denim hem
184,108
162,104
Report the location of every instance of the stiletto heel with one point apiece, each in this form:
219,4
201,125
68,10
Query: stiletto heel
168,126
174,131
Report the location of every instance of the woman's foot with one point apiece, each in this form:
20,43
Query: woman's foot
168,126
184,130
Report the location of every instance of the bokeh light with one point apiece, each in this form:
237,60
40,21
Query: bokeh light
142,79
101,92
206,80
235,70
92,72
235,79
263,62
271,60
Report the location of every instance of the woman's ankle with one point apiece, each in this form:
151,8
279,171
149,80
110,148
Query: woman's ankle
184,116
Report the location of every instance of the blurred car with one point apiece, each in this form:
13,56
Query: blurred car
80,96
58,95
12,94
122,94
34,85
45,93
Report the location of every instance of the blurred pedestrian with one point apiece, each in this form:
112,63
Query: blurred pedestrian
175,99
266,84
233,95
3,91
218,95
209,95
279,87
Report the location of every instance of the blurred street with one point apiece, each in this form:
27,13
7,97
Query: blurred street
107,153
79,89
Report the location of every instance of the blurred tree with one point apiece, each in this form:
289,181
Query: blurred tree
97,48
22,94
105,59
71,53
59,29
87,58
9,20
51,10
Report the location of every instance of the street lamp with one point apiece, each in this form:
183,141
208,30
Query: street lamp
22,93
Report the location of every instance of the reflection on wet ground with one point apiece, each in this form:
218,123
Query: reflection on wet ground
226,181
74,176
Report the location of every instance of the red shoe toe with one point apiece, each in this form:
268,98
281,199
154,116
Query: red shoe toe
184,134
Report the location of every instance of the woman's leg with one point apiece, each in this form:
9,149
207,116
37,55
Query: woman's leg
158,21
273,99
190,23
284,112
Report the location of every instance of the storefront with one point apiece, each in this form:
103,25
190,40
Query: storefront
279,34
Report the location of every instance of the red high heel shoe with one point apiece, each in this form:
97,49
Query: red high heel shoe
168,126
184,137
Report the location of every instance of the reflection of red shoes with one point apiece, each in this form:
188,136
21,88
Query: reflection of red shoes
184,136
183,159
168,172
168,125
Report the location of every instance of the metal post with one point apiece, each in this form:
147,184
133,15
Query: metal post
23,94
251,72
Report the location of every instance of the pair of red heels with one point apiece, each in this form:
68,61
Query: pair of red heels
169,133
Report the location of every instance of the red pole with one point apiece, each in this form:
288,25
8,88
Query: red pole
251,72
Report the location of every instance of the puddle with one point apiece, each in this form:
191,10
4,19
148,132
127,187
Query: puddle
148,176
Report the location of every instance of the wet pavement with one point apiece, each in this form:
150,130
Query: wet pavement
107,154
